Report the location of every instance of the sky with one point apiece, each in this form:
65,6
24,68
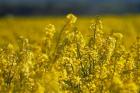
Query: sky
56,1
86,7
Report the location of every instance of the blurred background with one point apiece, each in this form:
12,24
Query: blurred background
26,17
62,7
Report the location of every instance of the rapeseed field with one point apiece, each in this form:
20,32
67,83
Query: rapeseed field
70,55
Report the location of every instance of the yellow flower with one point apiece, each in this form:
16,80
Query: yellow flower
40,89
50,28
130,87
118,36
117,82
71,18
76,80
10,46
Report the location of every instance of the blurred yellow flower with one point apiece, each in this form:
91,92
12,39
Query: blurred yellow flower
71,18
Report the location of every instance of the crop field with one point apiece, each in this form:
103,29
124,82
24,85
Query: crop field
70,54
25,26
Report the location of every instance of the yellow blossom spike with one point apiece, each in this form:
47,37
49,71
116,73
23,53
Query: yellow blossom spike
71,18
